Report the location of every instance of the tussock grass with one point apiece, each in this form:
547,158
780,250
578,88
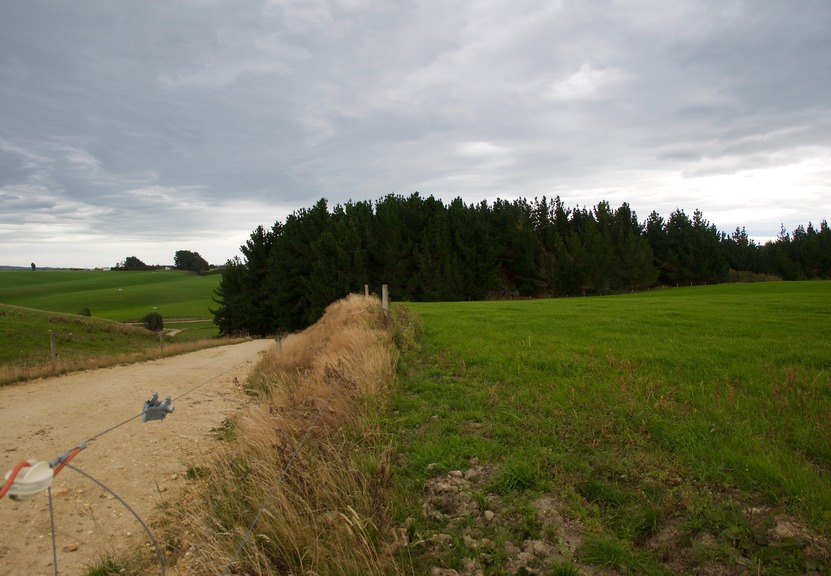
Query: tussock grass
323,502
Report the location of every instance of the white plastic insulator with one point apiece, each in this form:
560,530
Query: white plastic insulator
30,481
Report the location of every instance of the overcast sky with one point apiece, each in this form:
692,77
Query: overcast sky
142,128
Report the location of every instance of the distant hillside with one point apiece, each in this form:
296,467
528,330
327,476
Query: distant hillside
29,268
125,296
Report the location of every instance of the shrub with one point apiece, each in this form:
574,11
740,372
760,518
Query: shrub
153,321
84,312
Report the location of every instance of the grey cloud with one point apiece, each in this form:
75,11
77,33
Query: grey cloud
116,111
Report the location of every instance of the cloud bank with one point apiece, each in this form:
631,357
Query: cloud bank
145,128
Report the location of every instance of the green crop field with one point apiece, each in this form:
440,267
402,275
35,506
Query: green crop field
113,295
669,430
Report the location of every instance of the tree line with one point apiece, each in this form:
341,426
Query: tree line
182,260
426,250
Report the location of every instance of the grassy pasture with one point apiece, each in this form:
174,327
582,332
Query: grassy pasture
112,295
675,428
83,343
25,336
33,303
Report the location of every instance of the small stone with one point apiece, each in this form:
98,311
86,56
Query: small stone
456,474
489,516
542,549
472,567
442,539
785,528
524,558
174,476
70,548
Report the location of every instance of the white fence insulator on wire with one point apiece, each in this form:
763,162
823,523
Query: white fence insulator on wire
30,480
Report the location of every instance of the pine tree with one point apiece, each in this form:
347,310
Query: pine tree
473,250
390,247
339,258
290,268
243,294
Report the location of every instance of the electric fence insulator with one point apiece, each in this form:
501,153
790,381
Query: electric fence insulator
28,479
155,410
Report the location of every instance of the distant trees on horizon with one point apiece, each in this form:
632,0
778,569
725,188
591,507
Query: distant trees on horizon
132,263
190,261
182,260
428,251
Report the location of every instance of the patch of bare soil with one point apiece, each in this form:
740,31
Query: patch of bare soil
470,517
459,499
142,462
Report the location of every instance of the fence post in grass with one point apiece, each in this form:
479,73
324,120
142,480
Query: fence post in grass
53,346
385,298
366,290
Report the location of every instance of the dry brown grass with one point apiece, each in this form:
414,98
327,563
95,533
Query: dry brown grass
323,502
16,373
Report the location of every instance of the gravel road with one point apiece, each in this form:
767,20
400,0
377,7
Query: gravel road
142,462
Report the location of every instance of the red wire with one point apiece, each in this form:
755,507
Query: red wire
10,480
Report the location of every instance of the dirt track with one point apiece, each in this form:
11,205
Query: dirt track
142,462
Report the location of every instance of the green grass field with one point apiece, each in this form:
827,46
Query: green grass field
25,347
33,303
113,295
671,429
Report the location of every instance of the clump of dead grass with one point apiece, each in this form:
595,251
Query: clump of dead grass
307,460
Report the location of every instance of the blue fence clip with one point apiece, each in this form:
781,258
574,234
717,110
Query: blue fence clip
155,410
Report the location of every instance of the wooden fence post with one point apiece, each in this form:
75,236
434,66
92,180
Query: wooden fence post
366,290
53,346
385,298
